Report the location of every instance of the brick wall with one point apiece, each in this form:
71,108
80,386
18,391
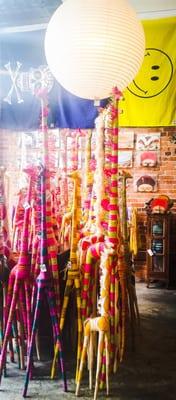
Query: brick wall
166,177
165,170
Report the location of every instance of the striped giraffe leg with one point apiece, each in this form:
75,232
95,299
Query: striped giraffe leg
2,323
7,297
107,353
22,308
93,253
21,336
123,312
87,333
99,362
68,288
28,311
91,359
56,331
8,328
78,301
11,349
32,338
1,314
15,335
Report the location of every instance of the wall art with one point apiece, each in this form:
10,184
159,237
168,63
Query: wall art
145,183
148,142
147,159
126,139
125,158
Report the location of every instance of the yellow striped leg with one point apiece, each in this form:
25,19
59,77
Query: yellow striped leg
68,288
79,345
99,362
81,367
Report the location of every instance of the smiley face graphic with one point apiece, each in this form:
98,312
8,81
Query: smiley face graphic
154,76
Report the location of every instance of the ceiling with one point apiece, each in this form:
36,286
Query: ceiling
20,13
26,12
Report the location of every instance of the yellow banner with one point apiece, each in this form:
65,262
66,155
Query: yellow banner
150,100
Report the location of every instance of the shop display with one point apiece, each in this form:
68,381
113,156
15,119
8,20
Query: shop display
72,186
78,209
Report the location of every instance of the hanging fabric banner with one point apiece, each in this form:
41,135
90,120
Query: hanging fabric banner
23,70
150,100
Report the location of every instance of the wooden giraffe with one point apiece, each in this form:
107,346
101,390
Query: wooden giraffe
123,176
106,323
133,303
101,325
73,274
19,286
88,178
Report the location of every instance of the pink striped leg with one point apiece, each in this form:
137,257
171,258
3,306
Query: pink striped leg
28,311
32,338
22,309
56,331
8,297
9,325
21,336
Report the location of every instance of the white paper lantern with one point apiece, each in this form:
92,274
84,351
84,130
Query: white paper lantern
93,45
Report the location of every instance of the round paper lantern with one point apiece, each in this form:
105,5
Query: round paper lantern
93,45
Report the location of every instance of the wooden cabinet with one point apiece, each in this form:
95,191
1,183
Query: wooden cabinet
158,236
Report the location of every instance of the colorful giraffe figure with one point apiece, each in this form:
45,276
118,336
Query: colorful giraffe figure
111,262
101,325
90,247
133,303
52,244
73,274
19,281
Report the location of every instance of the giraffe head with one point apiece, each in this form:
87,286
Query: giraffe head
124,174
75,175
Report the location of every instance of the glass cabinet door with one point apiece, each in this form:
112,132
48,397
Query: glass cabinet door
157,228
157,246
157,263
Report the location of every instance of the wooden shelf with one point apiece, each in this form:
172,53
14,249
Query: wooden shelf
158,237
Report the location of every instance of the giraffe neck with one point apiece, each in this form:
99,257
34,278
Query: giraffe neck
64,185
76,216
113,219
44,273
104,285
24,253
99,173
